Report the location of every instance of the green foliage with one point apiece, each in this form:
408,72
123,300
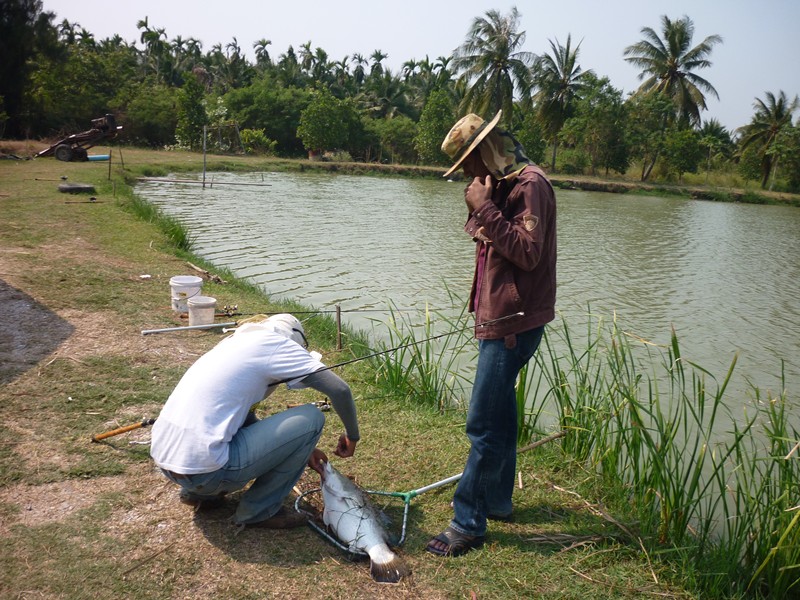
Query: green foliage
56,78
273,108
722,505
530,133
762,132
419,363
151,118
682,151
397,139
668,64
749,164
255,141
323,124
191,114
25,32
598,125
491,61
646,128
437,118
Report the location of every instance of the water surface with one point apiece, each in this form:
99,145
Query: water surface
723,275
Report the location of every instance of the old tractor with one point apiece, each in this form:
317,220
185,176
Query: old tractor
74,147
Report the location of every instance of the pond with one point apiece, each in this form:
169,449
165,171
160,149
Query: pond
723,275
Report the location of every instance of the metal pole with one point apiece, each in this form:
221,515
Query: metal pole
189,328
205,128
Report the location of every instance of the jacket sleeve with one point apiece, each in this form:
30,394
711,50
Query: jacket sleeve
520,237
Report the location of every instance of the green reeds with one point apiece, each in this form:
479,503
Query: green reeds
175,231
716,492
713,491
424,367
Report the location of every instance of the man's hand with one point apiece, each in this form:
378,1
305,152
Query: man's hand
346,447
317,461
478,193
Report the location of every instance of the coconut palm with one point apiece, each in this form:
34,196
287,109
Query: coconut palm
765,127
559,80
667,66
492,65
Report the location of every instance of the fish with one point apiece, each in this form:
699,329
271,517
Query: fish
357,524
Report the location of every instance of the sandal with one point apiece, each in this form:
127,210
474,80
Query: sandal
455,543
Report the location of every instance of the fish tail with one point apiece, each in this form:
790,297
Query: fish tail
386,567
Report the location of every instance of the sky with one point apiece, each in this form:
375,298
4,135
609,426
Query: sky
759,53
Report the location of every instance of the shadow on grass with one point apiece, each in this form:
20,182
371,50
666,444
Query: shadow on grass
30,332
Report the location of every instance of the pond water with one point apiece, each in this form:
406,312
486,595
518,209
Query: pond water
725,276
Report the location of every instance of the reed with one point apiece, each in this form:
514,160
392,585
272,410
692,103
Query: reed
711,491
424,365
652,425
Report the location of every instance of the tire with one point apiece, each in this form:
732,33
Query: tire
63,152
79,154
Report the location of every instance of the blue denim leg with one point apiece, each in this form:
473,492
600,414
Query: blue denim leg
488,480
273,452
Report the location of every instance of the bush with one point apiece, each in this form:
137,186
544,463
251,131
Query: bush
255,141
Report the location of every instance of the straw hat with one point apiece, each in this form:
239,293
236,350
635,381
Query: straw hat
465,136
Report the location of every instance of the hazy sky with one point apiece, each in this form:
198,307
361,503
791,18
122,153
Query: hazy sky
760,50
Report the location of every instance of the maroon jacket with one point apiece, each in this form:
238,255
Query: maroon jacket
518,227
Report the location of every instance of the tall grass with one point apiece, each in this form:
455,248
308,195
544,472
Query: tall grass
170,226
420,362
714,492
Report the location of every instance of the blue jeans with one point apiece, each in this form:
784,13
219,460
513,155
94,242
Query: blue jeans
273,452
486,486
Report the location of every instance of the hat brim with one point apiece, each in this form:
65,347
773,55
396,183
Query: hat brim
478,139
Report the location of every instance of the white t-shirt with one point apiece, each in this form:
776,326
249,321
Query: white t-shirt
211,401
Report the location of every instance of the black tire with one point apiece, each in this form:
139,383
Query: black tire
63,152
79,154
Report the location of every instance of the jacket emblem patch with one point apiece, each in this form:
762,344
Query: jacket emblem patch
530,222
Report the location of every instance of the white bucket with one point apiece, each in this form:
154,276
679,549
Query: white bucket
184,287
201,310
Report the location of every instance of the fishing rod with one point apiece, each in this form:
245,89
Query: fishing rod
337,365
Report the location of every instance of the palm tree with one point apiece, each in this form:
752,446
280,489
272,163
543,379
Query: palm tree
559,79
765,127
262,54
715,138
667,66
491,61
386,97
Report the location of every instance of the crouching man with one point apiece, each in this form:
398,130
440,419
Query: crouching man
208,441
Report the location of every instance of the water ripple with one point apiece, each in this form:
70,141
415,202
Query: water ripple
723,275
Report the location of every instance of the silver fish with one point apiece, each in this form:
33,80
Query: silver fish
357,524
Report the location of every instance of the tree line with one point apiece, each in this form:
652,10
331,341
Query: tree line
56,77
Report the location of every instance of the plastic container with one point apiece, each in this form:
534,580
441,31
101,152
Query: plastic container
201,310
184,287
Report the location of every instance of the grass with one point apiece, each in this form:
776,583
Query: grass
718,504
79,519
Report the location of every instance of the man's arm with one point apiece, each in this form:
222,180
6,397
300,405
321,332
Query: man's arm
335,388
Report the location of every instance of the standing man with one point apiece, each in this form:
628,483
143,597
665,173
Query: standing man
208,441
512,219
